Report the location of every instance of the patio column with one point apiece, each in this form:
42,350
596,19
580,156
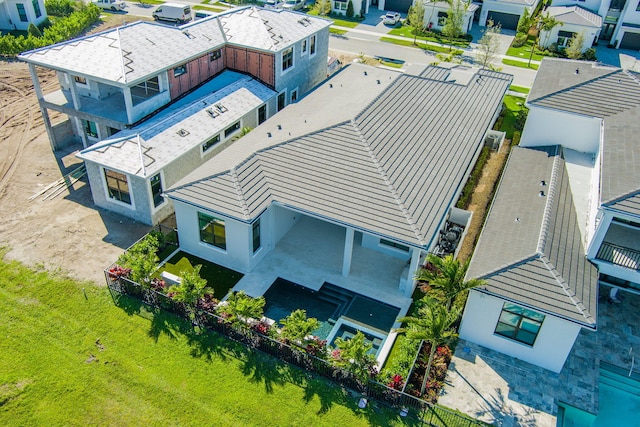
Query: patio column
348,249
415,260
43,109
128,102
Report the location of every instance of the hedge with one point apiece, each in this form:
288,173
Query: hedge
476,174
62,29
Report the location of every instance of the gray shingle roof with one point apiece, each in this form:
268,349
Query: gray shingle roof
136,51
394,170
530,250
575,15
611,94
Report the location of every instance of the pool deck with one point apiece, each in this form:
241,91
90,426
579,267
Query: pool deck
499,389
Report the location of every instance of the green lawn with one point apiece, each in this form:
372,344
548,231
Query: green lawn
219,278
520,64
210,8
424,46
519,89
513,104
337,21
407,31
75,361
337,31
524,51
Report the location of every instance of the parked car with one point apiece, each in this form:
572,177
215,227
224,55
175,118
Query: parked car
174,12
273,4
200,14
113,5
391,18
293,4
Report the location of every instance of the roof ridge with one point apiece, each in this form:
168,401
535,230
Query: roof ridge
241,198
573,87
568,291
551,195
383,174
509,266
626,196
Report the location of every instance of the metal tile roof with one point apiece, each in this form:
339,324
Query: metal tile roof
530,250
611,94
158,136
575,15
393,170
136,51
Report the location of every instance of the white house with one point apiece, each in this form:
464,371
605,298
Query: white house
505,12
356,153
18,14
620,20
574,20
435,14
569,200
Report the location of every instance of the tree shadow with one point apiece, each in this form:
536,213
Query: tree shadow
501,411
260,368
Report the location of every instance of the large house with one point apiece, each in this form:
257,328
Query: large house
507,13
568,202
150,102
17,14
573,20
379,155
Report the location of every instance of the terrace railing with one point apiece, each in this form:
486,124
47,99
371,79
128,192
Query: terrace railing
619,255
410,405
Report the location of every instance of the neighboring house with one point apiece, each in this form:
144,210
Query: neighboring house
380,154
435,15
507,13
582,123
360,7
115,79
129,172
620,20
574,20
18,14
540,290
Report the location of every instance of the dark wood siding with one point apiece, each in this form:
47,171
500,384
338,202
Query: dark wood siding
198,71
259,64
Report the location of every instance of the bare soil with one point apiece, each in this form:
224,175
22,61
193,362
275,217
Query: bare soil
67,233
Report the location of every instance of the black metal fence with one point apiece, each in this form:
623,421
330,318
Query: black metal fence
410,406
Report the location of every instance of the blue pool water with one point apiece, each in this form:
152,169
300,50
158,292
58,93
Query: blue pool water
619,402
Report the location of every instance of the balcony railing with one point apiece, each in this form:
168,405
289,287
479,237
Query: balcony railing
619,255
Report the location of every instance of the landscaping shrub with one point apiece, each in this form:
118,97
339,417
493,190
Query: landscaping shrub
59,7
350,11
516,138
34,31
520,40
399,364
589,54
521,118
467,190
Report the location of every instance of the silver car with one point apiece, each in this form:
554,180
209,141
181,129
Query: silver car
113,5
293,4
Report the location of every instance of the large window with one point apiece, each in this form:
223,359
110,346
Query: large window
22,13
287,59
216,54
519,323
178,71
210,143
36,8
281,101
90,128
212,231
256,235
117,186
312,47
145,90
564,37
391,244
262,114
442,18
156,190
231,129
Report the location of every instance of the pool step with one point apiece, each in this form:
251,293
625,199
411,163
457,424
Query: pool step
620,382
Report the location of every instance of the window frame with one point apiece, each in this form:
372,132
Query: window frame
22,12
293,96
180,70
210,143
262,108
313,44
161,199
232,129
36,8
215,55
523,316
256,234
206,220
87,128
394,245
282,95
442,18
112,191
288,53
304,47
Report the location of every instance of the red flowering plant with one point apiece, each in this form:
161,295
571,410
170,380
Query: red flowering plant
117,272
317,347
396,382
261,327
207,303
157,285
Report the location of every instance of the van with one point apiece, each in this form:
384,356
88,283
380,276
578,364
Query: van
174,12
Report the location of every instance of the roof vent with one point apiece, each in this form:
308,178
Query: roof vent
213,113
577,70
279,127
517,219
378,81
188,34
182,132
330,85
365,73
541,194
269,134
542,183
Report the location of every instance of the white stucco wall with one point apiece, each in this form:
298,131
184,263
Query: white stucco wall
499,6
551,127
547,38
373,242
431,17
592,5
551,348
10,18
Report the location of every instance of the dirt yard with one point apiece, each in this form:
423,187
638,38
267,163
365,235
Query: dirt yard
67,232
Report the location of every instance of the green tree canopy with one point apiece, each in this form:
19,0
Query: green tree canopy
297,326
354,356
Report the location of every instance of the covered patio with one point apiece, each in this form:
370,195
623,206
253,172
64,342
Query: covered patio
312,252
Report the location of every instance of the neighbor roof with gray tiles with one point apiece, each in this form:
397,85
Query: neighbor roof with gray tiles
530,250
608,93
134,52
392,168
145,149
575,15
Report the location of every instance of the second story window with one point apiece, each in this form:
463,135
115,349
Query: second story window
231,129
210,143
36,8
304,46
178,71
216,54
287,59
22,13
80,80
312,48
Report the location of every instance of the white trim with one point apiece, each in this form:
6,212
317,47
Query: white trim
297,92
315,38
293,60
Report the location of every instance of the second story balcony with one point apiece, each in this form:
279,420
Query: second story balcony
621,246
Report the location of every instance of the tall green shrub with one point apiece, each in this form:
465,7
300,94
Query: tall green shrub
59,7
350,11
34,31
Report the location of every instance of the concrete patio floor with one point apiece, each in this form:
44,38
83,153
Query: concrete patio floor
311,253
505,391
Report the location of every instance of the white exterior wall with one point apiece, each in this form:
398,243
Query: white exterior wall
498,6
547,38
431,17
551,127
10,18
282,220
551,348
372,242
592,5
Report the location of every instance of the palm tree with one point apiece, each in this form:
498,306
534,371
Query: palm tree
548,23
192,287
433,325
447,277
355,356
240,306
297,326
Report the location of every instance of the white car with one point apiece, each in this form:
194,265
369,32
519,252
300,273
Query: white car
113,5
391,18
293,4
273,4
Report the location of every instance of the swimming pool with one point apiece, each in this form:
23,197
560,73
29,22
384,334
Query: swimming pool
619,402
